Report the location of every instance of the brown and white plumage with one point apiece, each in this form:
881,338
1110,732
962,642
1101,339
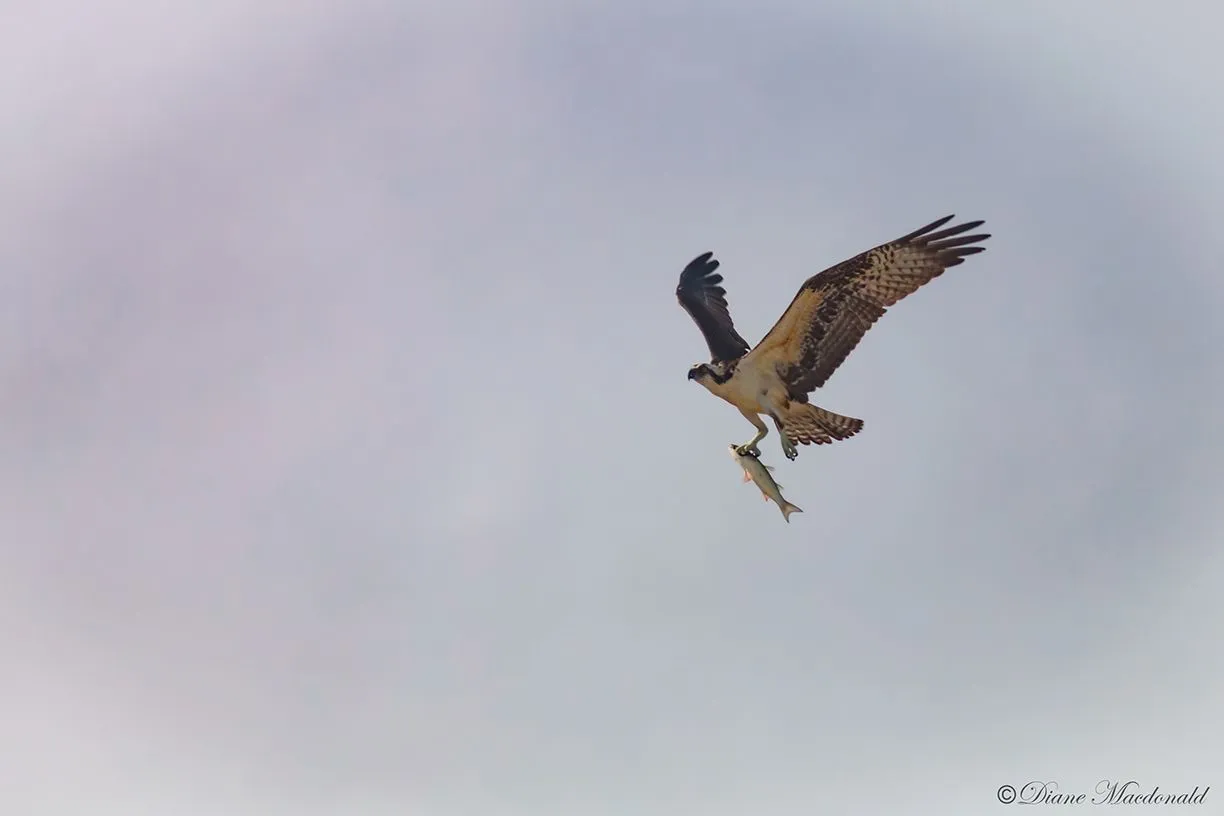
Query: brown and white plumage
824,322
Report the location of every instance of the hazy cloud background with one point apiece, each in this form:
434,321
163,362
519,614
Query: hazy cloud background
349,465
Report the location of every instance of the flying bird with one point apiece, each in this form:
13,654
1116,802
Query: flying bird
822,325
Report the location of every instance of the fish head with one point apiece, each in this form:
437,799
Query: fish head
733,449
699,371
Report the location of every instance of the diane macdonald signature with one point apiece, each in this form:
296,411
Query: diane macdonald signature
1107,792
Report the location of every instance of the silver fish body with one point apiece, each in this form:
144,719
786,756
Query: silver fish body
757,471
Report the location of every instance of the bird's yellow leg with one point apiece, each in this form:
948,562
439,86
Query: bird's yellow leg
750,448
788,447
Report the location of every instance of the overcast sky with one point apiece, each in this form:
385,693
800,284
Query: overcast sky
348,463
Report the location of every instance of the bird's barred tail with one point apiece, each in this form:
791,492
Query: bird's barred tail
806,424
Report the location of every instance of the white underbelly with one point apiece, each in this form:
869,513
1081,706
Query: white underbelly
751,390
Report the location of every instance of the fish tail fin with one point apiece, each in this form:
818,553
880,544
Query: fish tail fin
787,508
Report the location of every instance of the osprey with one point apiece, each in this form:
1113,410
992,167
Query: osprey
823,324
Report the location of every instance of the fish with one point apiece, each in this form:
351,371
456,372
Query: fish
757,471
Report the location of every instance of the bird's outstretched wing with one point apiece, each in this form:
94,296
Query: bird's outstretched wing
706,302
835,308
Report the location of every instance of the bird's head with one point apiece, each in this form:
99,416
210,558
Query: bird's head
701,371
712,375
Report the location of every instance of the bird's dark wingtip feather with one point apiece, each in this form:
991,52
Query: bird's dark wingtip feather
705,300
942,240
924,230
698,268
